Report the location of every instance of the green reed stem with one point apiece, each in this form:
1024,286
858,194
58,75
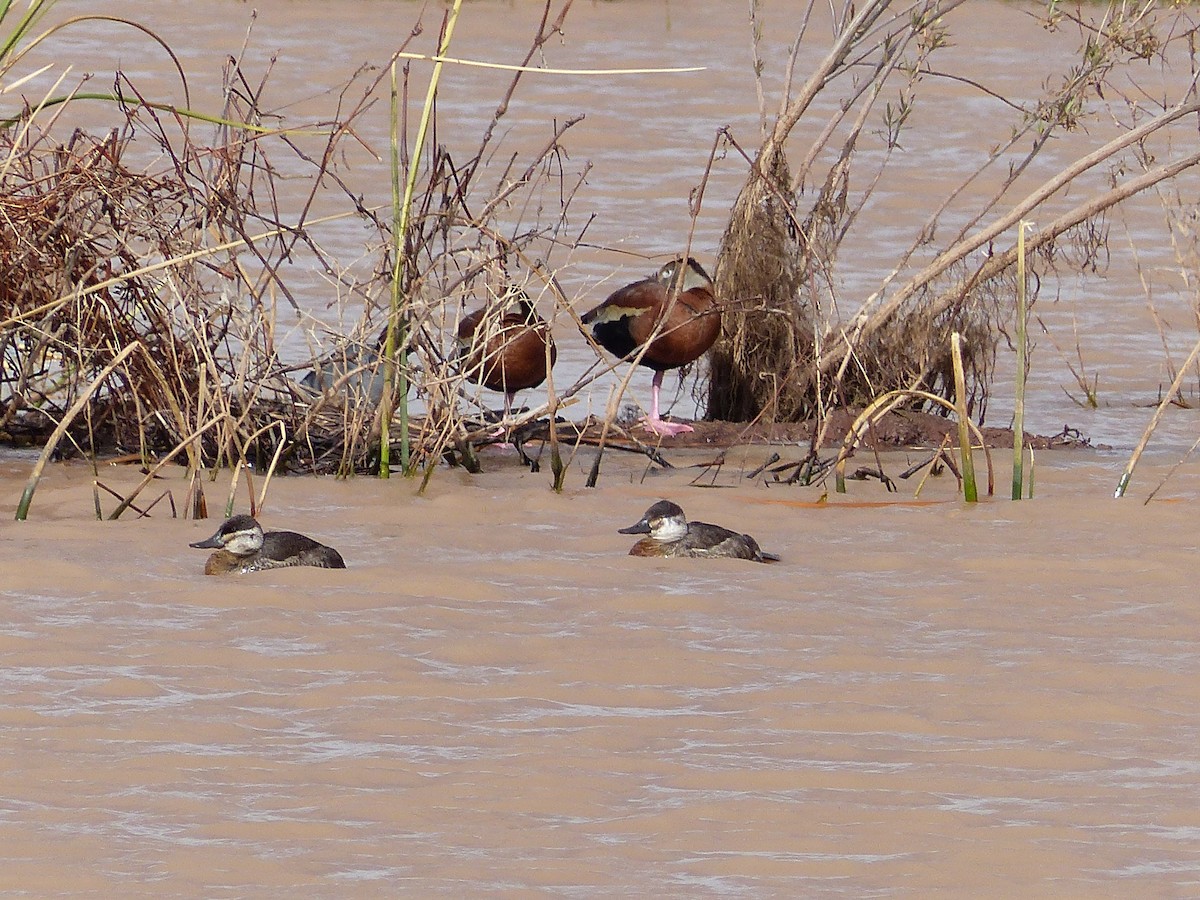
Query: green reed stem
970,489
1022,339
397,330
18,32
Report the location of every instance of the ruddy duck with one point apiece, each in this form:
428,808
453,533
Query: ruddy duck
242,546
504,346
671,534
691,324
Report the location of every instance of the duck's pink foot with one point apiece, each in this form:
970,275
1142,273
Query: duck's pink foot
666,429
503,448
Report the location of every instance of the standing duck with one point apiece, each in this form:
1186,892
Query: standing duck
671,534
504,348
691,324
242,546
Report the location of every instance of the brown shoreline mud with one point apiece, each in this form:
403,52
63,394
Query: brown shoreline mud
896,430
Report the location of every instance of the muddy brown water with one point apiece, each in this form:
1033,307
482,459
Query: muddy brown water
923,698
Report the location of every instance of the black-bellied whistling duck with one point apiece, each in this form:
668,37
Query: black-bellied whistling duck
503,346
691,323
671,534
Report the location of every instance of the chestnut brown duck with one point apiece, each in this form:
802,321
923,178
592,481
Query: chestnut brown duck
506,346
691,322
671,534
242,546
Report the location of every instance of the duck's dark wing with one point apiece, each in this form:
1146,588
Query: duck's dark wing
713,540
328,558
281,544
704,539
287,548
623,321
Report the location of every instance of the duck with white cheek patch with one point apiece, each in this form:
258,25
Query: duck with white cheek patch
670,534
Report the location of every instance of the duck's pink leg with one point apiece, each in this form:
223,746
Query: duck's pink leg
654,422
508,402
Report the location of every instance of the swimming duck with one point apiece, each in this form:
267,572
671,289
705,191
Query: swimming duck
625,321
242,546
504,347
671,534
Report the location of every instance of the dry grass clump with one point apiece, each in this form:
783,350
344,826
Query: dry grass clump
173,260
176,258
104,257
794,345
74,220
759,364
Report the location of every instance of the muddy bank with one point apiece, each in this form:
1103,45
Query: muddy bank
908,429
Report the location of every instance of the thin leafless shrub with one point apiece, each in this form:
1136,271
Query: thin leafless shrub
794,345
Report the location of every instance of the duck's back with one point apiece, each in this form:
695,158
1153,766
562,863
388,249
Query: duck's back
703,539
512,358
287,548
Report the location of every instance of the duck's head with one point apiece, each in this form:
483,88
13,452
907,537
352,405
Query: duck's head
241,536
514,298
664,521
686,273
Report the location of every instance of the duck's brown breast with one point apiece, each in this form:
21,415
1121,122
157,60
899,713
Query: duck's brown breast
223,563
692,326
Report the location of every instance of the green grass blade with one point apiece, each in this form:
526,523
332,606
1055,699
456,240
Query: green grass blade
1022,338
970,489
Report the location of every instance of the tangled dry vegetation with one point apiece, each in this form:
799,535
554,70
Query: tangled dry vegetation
104,257
148,305
795,345
148,308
